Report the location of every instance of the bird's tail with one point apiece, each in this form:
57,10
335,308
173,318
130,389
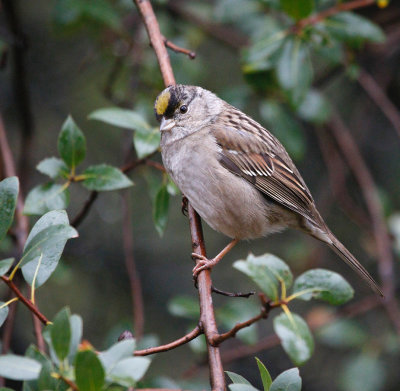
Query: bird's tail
348,257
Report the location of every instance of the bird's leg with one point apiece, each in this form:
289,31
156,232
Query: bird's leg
205,263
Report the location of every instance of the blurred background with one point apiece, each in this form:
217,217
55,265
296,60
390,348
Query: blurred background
64,57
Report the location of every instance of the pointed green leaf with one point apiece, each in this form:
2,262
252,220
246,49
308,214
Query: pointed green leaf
123,118
289,380
9,188
19,368
76,336
242,387
353,28
146,143
103,177
3,312
53,167
116,353
5,265
47,197
71,143
298,9
46,243
295,336
60,332
294,69
89,373
160,209
265,376
266,271
324,285
237,379
129,371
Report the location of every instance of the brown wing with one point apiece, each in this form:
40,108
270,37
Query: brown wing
256,155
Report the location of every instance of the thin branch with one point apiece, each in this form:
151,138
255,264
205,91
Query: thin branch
172,345
134,280
25,301
178,49
69,382
339,7
364,178
85,209
207,316
377,94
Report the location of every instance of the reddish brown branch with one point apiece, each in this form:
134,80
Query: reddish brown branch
172,345
69,382
178,49
379,97
339,7
25,301
364,178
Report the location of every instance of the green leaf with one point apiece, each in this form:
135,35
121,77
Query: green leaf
129,370
9,188
353,28
46,243
160,209
363,373
146,143
47,197
325,285
237,379
122,118
266,271
3,312
294,70
289,380
71,143
315,108
284,127
19,368
103,177
184,306
242,387
76,336
60,332
295,336
53,167
344,333
298,9
116,353
5,265
89,373
265,376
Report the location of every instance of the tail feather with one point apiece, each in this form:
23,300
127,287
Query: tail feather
346,255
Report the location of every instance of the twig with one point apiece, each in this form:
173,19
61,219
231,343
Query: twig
207,317
231,294
339,7
25,301
356,163
69,382
134,280
85,209
376,93
178,49
172,345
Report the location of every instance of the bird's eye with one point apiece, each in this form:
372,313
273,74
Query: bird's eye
183,109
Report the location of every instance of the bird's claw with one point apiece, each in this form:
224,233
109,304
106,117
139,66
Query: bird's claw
202,264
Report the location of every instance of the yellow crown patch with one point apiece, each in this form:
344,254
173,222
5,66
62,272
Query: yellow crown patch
162,103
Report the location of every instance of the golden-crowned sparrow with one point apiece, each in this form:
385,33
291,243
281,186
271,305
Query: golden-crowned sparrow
235,173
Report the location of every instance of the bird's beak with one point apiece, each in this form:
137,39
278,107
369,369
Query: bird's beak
166,124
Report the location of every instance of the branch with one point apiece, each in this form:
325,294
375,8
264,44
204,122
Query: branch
178,49
85,209
379,97
339,7
364,178
25,301
172,345
207,317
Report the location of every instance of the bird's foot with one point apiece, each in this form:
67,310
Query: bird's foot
203,263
